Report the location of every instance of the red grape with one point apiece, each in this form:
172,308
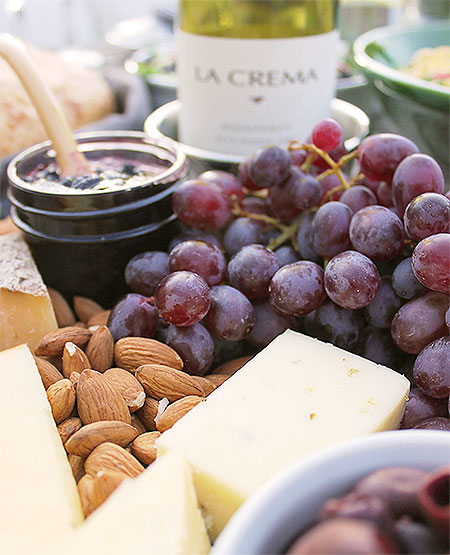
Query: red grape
379,155
416,174
269,166
196,235
431,262
254,205
241,232
420,407
329,183
384,194
145,270
305,242
194,345
419,322
244,176
327,134
201,258
229,184
330,229
268,324
377,345
182,298
307,192
280,200
251,269
132,316
377,232
297,288
201,205
381,310
286,255
231,315
298,156
334,324
426,215
432,368
351,280
404,282
358,197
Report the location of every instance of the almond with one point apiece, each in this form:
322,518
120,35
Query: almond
144,448
87,438
162,381
131,352
86,308
128,386
137,423
148,412
231,366
61,397
64,314
53,343
73,359
68,427
205,383
98,399
218,379
48,372
75,378
109,456
100,349
77,465
99,318
177,410
95,490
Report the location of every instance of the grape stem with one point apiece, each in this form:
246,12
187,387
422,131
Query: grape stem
288,232
335,167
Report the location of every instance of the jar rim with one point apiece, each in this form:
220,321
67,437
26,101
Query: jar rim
165,144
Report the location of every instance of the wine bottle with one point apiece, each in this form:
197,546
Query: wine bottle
254,72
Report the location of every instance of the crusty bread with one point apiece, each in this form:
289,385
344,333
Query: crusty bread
84,96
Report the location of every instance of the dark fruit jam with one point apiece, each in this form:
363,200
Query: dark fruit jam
109,173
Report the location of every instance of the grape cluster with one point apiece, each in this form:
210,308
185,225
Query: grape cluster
352,248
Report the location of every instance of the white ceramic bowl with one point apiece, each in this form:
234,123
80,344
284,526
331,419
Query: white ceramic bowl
163,122
289,503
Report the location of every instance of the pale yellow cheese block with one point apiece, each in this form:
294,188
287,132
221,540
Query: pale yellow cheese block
39,501
296,396
156,513
26,311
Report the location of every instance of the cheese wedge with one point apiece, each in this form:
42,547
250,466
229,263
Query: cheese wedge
26,311
157,512
39,498
296,396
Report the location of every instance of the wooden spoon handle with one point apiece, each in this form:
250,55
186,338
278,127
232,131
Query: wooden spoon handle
70,160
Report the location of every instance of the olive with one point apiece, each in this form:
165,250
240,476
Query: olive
344,536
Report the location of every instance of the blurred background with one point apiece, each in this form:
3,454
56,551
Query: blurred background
132,44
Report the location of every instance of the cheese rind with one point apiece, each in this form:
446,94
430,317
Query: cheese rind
40,501
26,311
297,396
156,512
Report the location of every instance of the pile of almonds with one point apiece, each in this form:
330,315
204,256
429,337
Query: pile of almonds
111,401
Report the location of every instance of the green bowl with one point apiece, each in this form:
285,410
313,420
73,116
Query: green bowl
427,127
380,53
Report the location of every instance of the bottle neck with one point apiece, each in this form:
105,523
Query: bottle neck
257,18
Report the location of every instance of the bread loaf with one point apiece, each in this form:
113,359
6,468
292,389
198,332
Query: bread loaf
83,94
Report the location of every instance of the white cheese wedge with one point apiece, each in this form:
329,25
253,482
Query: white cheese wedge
39,498
157,512
26,311
296,396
